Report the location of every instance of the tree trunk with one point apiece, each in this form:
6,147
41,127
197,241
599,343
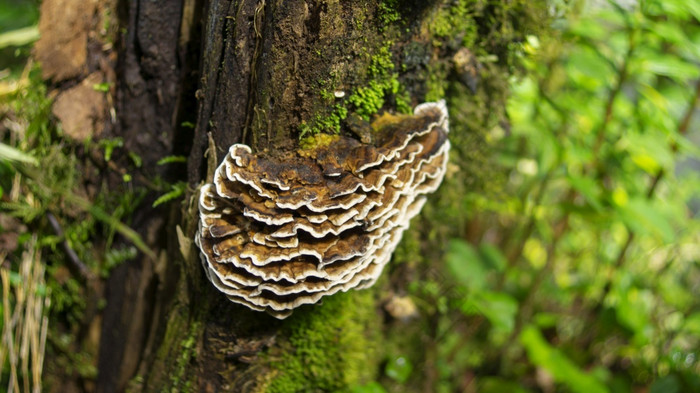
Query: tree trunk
191,78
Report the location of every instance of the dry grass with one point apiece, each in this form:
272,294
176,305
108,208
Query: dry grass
25,322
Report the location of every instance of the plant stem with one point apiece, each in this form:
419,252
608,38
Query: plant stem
622,76
682,130
525,309
83,271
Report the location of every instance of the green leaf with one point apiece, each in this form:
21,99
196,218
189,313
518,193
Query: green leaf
589,188
654,96
399,368
550,150
463,262
176,190
19,37
588,27
9,153
499,308
171,159
136,159
493,256
642,216
674,34
15,279
672,66
650,151
692,7
692,324
667,384
116,256
109,146
586,62
632,310
499,385
97,212
546,319
562,369
372,387
102,87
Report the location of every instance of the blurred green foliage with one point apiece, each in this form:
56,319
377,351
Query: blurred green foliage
580,273
15,14
40,177
18,20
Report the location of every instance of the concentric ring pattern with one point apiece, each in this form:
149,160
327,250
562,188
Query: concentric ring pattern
279,232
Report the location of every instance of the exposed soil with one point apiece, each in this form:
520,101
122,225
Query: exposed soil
62,48
81,109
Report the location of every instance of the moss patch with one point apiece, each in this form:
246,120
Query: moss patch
455,22
329,123
316,141
375,77
328,347
365,100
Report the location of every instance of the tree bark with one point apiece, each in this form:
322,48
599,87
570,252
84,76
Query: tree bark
261,72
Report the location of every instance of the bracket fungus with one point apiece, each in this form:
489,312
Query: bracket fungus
279,232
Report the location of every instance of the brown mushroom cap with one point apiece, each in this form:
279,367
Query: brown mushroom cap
276,233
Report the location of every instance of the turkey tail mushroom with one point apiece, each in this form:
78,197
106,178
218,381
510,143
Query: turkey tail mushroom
279,232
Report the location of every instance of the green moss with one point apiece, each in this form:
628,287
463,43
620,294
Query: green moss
328,347
180,345
487,29
326,95
437,83
367,100
381,64
388,13
403,101
180,380
329,123
316,141
359,22
409,249
454,26
455,21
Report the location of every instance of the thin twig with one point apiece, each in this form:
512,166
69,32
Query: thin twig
612,96
525,309
528,229
97,212
105,217
83,270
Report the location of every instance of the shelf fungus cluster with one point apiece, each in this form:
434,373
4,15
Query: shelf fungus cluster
279,232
